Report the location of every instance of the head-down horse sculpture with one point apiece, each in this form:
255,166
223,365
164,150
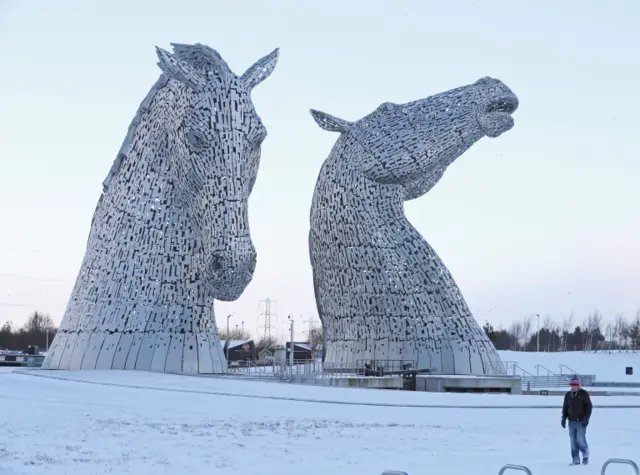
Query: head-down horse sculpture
382,292
170,232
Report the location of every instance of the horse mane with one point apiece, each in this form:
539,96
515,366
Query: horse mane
201,57
145,105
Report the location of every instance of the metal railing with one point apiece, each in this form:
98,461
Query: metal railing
549,372
633,465
571,371
527,470
537,382
503,368
520,468
309,369
312,369
31,361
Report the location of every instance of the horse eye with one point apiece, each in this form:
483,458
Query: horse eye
195,138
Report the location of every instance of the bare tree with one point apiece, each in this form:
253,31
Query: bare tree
551,327
516,333
527,325
316,339
618,329
591,327
39,323
633,331
567,326
235,334
609,333
266,343
621,328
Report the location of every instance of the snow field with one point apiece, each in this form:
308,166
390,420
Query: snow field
172,424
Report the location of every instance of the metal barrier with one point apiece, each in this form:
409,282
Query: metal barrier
521,468
620,461
536,382
526,470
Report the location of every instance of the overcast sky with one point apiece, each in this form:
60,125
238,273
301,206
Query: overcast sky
544,219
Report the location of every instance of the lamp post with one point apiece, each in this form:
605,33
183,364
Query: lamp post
292,348
243,329
228,337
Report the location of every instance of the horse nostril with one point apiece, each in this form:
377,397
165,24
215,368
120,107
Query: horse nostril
252,262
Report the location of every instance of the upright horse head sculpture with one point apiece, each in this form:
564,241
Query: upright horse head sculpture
382,292
170,233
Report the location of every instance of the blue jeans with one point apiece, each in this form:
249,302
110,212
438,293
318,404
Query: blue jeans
578,438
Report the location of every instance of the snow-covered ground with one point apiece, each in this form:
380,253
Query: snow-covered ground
144,423
609,367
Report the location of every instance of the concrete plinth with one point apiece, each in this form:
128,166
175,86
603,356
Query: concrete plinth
469,384
383,382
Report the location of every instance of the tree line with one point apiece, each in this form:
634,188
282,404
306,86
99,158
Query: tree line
39,330
591,334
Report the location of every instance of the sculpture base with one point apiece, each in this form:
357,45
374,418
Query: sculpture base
468,384
384,382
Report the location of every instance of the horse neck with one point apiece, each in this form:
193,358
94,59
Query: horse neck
375,209
139,199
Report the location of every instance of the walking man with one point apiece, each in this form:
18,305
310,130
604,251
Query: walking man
577,409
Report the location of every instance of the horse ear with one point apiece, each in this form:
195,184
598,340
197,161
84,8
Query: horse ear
260,70
180,70
330,123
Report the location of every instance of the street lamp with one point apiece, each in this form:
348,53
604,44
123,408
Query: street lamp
228,337
292,349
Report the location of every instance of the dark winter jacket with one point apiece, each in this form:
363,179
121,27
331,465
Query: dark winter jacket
577,406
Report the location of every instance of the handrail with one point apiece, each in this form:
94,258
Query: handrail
522,468
524,371
570,369
506,365
548,381
620,461
538,366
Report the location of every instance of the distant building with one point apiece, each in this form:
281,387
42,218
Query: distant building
280,356
302,351
239,350
266,355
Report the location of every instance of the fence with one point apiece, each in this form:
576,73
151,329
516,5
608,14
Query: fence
548,378
319,369
284,371
527,470
21,360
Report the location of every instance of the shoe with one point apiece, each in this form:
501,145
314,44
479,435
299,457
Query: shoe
585,461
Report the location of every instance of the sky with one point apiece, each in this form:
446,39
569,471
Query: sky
542,220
